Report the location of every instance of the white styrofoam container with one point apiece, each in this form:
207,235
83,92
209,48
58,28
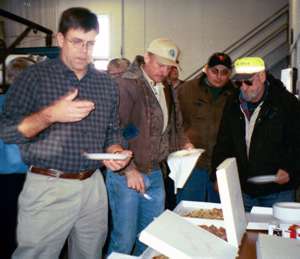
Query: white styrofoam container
185,207
175,237
259,218
287,211
277,247
232,201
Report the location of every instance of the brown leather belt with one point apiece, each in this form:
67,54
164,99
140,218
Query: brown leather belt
56,173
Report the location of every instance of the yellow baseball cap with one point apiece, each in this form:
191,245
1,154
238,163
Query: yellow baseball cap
165,50
246,67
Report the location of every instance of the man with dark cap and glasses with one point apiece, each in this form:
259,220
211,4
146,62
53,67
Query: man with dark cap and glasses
260,128
202,101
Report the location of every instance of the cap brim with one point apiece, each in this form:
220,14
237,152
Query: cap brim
167,62
242,76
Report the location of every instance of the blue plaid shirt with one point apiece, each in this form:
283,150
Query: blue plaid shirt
60,146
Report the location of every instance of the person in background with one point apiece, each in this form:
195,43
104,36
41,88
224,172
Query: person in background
202,101
117,66
12,172
173,78
260,128
57,110
150,120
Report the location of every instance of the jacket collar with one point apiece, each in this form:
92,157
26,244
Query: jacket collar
134,71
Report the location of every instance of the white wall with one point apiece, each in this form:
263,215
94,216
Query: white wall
199,27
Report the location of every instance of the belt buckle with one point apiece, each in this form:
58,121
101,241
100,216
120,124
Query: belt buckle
56,173
81,175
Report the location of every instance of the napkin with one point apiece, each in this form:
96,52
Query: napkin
181,164
115,255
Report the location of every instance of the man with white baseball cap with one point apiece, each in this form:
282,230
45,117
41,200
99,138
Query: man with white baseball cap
165,50
260,128
151,125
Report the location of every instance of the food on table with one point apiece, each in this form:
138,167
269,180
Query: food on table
206,213
160,257
219,232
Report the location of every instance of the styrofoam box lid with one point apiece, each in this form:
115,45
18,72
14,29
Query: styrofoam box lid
287,211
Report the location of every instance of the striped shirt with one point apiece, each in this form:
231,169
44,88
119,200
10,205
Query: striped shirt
60,146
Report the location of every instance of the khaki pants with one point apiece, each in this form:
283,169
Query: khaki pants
54,209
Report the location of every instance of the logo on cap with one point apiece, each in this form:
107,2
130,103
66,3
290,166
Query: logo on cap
172,53
249,65
221,58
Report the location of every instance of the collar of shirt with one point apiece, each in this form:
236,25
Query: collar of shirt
156,87
158,90
67,71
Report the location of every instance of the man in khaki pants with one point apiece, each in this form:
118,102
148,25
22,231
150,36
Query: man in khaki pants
56,110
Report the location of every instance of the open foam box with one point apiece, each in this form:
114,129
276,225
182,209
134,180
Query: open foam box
175,237
258,219
235,221
185,207
169,233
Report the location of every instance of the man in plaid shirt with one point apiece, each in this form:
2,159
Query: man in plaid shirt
56,110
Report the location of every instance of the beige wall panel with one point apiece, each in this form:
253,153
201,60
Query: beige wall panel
199,27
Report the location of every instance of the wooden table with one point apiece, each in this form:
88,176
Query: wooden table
248,248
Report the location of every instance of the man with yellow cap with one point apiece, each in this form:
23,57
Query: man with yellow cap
260,128
151,125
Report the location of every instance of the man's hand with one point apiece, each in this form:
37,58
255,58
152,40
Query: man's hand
116,165
135,180
215,186
188,146
66,109
282,177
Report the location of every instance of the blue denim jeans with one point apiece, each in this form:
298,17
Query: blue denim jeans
198,188
267,200
131,212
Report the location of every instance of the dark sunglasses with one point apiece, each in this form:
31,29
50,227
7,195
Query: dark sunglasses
239,83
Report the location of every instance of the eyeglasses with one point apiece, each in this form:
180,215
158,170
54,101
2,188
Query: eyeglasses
79,43
223,72
248,82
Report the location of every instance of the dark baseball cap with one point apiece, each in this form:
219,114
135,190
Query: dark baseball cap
219,58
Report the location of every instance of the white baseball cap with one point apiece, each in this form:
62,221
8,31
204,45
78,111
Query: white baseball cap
165,50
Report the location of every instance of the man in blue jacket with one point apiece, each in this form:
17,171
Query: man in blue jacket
12,173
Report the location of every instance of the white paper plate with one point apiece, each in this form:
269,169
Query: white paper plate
262,179
185,152
105,156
